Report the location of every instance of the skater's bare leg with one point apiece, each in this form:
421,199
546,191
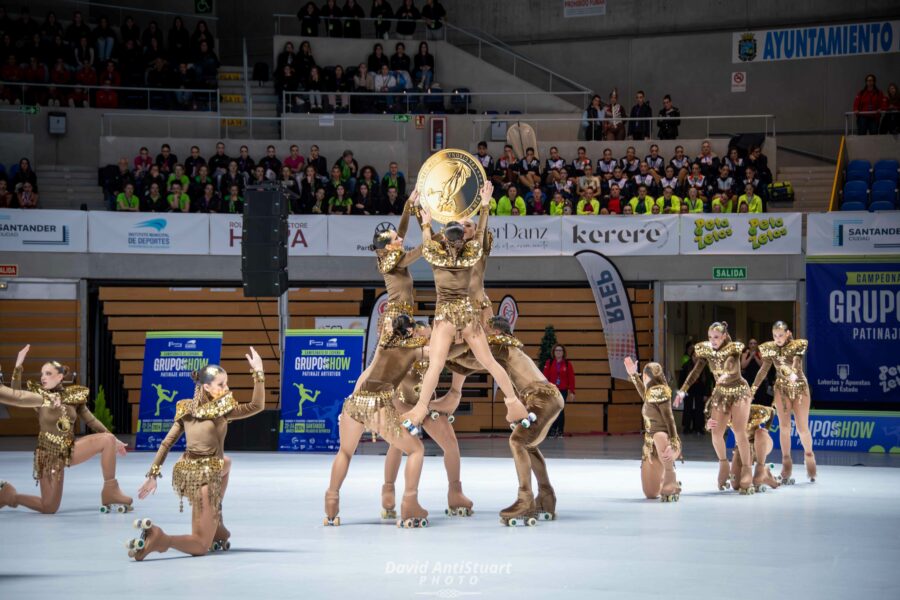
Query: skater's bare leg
49,500
203,528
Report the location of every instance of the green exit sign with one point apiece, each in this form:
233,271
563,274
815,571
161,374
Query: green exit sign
729,272
401,119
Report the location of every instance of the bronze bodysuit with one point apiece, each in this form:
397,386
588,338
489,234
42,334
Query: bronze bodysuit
724,361
453,276
56,440
394,268
788,360
657,415
204,426
479,298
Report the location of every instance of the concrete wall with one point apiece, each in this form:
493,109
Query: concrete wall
15,146
873,147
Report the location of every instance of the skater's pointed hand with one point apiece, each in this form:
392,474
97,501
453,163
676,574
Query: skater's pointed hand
631,367
254,359
20,359
678,400
414,198
487,192
148,488
121,448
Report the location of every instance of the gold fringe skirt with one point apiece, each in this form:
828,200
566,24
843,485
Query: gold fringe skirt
486,302
52,455
725,396
543,395
792,390
366,408
459,312
648,451
190,474
391,311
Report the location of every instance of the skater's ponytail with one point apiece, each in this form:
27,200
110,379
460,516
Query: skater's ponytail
402,325
655,374
60,368
501,324
454,232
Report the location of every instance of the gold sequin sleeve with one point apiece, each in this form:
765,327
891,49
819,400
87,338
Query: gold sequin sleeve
693,375
482,225
16,381
404,219
164,447
257,400
669,417
761,374
410,257
92,422
638,384
19,398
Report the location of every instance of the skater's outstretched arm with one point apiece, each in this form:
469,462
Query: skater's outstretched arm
408,208
92,422
155,471
631,367
16,381
486,193
258,399
693,375
761,374
19,398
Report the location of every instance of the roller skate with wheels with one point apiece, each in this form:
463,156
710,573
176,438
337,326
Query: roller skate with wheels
412,515
787,467
724,481
526,423
332,507
412,429
671,488
521,512
152,539
388,502
7,494
435,415
763,478
746,481
458,505
221,538
545,504
810,460
112,498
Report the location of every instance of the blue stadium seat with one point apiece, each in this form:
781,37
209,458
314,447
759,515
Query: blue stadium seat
881,205
857,192
853,205
858,170
887,170
884,191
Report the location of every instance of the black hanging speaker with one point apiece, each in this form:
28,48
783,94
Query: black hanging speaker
264,241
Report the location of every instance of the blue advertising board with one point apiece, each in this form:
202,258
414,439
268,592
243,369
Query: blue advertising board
846,430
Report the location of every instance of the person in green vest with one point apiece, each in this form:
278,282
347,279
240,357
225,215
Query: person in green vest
716,206
180,177
754,202
127,201
588,205
503,207
669,202
234,204
642,204
178,200
693,201
340,203
557,205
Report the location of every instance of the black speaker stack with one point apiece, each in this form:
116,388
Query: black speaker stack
264,241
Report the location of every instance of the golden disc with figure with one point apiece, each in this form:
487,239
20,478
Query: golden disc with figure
449,185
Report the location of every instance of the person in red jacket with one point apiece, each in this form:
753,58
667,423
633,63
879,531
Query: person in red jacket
559,371
867,105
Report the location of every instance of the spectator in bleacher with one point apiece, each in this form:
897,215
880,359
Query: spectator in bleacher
331,19
309,183
352,13
557,204
50,28
553,166
199,182
400,59
588,203
270,163
668,121
423,64
86,76
127,200
698,180
131,64
318,161
377,59
218,162
339,98
77,29
368,176
57,49
349,170
760,164
716,206
407,16
625,184
245,164
363,81
110,74
735,163
287,81
695,202
382,13
84,53
647,178
643,203
130,30
258,177
627,210
178,175
394,179
391,202
106,96
751,199
681,163
177,200
725,185
334,180
433,14
867,105
27,196
315,86
208,202
340,203
565,185
154,176
26,27
288,180
387,83
202,34
24,175
669,179
309,20
6,197
656,162
159,77
286,58
587,180
630,163
708,160
206,63
232,177
579,161
615,201
153,200
105,38
637,129
506,172
529,170
363,204
536,202
511,199
487,162
166,160
185,79
606,165
179,42
890,120
670,203
193,162
34,72
153,32
234,203
78,98
294,161
305,59
613,113
320,206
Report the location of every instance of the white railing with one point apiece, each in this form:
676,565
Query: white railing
883,125
148,95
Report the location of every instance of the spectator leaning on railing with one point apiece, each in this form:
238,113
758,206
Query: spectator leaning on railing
867,105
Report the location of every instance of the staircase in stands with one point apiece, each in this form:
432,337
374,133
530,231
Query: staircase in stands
812,189
234,106
63,187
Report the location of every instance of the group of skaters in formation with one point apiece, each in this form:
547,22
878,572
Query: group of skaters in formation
395,395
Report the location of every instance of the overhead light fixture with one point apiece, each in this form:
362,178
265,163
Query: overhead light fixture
729,287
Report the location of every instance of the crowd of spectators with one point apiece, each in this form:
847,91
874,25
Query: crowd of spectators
877,112
388,83
332,19
18,186
610,122
217,184
628,185
80,66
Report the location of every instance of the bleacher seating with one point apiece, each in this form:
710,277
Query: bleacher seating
871,188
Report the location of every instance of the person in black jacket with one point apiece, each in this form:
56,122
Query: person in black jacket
400,59
331,18
382,11
639,130
352,13
433,14
309,20
669,121
407,15
179,42
376,59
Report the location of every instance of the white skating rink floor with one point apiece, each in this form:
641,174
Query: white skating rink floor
836,538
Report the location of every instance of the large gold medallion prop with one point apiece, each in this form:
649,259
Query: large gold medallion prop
449,185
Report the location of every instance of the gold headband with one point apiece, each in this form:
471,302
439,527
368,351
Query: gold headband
720,326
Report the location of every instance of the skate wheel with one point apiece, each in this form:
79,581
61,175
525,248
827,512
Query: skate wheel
144,523
129,544
423,523
526,423
451,419
121,509
388,514
545,516
532,417
131,554
407,524
104,510
139,544
513,522
812,479
449,512
512,426
531,522
434,415
216,547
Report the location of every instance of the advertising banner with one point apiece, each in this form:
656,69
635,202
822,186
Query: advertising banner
827,41
169,359
526,236
859,233
320,368
352,235
43,230
853,314
847,430
743,233
621,236
148,233
307,235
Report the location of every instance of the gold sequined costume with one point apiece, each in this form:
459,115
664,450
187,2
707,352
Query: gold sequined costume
394,268
788,361
724,361
657,415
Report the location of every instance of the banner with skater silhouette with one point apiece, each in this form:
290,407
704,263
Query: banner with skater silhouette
169,359
319,369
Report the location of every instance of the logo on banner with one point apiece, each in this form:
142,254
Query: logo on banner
149,239
889,377
50,234
508,232
852,230
305,396
654,233
747,47
709,231
843,372
509,310
763,231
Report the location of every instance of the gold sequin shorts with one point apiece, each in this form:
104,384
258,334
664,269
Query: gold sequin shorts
544,396
459,312
486,302
190,474
725,396
366,408
52,455
391,311
792,390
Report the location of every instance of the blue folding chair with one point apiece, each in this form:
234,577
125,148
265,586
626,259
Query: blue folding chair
881,205
886,170
858,170
855,196
884,191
